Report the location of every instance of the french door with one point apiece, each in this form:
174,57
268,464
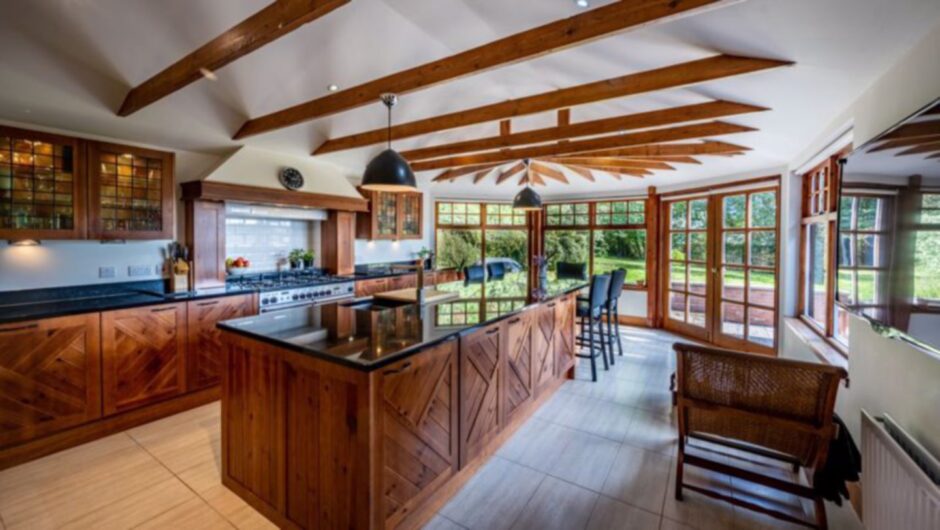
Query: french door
721,267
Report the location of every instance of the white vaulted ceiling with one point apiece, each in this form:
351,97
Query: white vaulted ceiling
69,63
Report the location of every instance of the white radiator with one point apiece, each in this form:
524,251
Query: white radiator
897,491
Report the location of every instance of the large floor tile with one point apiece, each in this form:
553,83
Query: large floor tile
653,432
192,514
439,522
557,505
639,477
614,515
586,462
136,509
494,497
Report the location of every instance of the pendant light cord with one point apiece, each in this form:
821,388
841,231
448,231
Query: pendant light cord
389,128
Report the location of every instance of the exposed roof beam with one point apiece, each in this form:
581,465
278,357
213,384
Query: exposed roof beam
903,142
265,26
548,172
914,130
616,171
921,148
642,120
509,173
451,174
684,132
584,172
551,37
678,75
709,147
611,162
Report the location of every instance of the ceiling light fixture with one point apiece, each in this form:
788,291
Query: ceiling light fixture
582,3
332,88
208,74
527,199
388,171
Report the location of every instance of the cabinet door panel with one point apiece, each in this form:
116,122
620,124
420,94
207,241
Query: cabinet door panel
543,344
205,349
50,376
419,428
143,357
370,287
520,369
410,215
480,361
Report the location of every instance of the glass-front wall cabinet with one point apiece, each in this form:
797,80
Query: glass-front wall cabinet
391,216
41,186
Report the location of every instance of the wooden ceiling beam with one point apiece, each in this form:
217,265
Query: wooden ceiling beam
903,142
678,75
709,147
509,173
549,38
582,171
671,134
481,175
914,130
454,173
611,162
642,120
548,172
265,26
620,170
921,148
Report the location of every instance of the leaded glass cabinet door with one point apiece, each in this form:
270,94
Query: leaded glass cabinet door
131,192
386,205
42,186
410,215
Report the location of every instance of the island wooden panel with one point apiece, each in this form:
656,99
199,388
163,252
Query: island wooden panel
143,355
314,444
204,349
373,286
50,376
543,344
564,346
481,357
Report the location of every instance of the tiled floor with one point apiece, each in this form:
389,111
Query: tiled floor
597,456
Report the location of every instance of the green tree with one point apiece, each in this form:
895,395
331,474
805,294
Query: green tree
458,248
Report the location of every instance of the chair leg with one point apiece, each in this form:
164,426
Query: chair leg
821,522
617,330
590,338
603,339
610,337
680,457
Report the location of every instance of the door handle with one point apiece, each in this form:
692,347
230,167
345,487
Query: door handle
203,304
515,321
162,309
404,367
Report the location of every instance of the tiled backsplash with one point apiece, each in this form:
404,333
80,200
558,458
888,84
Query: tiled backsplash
266,242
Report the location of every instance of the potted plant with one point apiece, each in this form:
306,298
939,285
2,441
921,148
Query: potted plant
425,254
296,258
308,257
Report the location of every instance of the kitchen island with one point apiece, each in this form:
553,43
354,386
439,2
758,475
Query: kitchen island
370,414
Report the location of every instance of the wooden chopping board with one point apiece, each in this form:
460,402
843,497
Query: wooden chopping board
410,295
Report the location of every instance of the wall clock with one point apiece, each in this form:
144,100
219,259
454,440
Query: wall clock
291,178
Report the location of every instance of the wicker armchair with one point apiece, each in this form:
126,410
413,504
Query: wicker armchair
773,407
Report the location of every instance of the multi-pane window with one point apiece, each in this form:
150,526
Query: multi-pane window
927,250
688,254
604,235
471,233
504,215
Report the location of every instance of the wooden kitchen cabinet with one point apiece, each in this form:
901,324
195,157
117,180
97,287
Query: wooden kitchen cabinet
50,376
481,361
131,192
143,355
42,186
564,343
204,351
419,421
373,286
543,342
391,216
519,373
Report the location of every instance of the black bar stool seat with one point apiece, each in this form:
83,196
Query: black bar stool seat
592,332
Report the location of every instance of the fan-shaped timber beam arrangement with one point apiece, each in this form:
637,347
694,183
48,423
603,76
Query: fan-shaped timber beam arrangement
554,36
920,138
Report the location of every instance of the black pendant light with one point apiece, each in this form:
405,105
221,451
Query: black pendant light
388,171
527,199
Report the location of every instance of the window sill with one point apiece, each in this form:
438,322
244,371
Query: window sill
820,346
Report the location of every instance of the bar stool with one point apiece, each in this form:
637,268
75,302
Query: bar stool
612,311
591,314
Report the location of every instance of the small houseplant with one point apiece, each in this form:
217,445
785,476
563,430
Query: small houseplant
296,258
308,257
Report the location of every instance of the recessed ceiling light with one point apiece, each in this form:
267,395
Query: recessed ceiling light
332,88
581,3
208,74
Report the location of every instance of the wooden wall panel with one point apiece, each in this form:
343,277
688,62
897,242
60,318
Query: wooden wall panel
50,376
564,346
419,422
204,349
480,418
519,375
544,346
143,353
205,235
338,242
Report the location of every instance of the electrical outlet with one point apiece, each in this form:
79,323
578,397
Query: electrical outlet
106,272
139,270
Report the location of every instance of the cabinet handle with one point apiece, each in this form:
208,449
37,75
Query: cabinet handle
551,304
203,304
34,325
162,309
404,367
491,331
515,321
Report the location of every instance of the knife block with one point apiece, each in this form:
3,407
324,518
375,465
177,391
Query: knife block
179,281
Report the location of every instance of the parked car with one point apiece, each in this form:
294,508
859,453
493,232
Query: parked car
510,264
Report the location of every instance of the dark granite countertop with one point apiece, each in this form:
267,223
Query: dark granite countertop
61,301
367,334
